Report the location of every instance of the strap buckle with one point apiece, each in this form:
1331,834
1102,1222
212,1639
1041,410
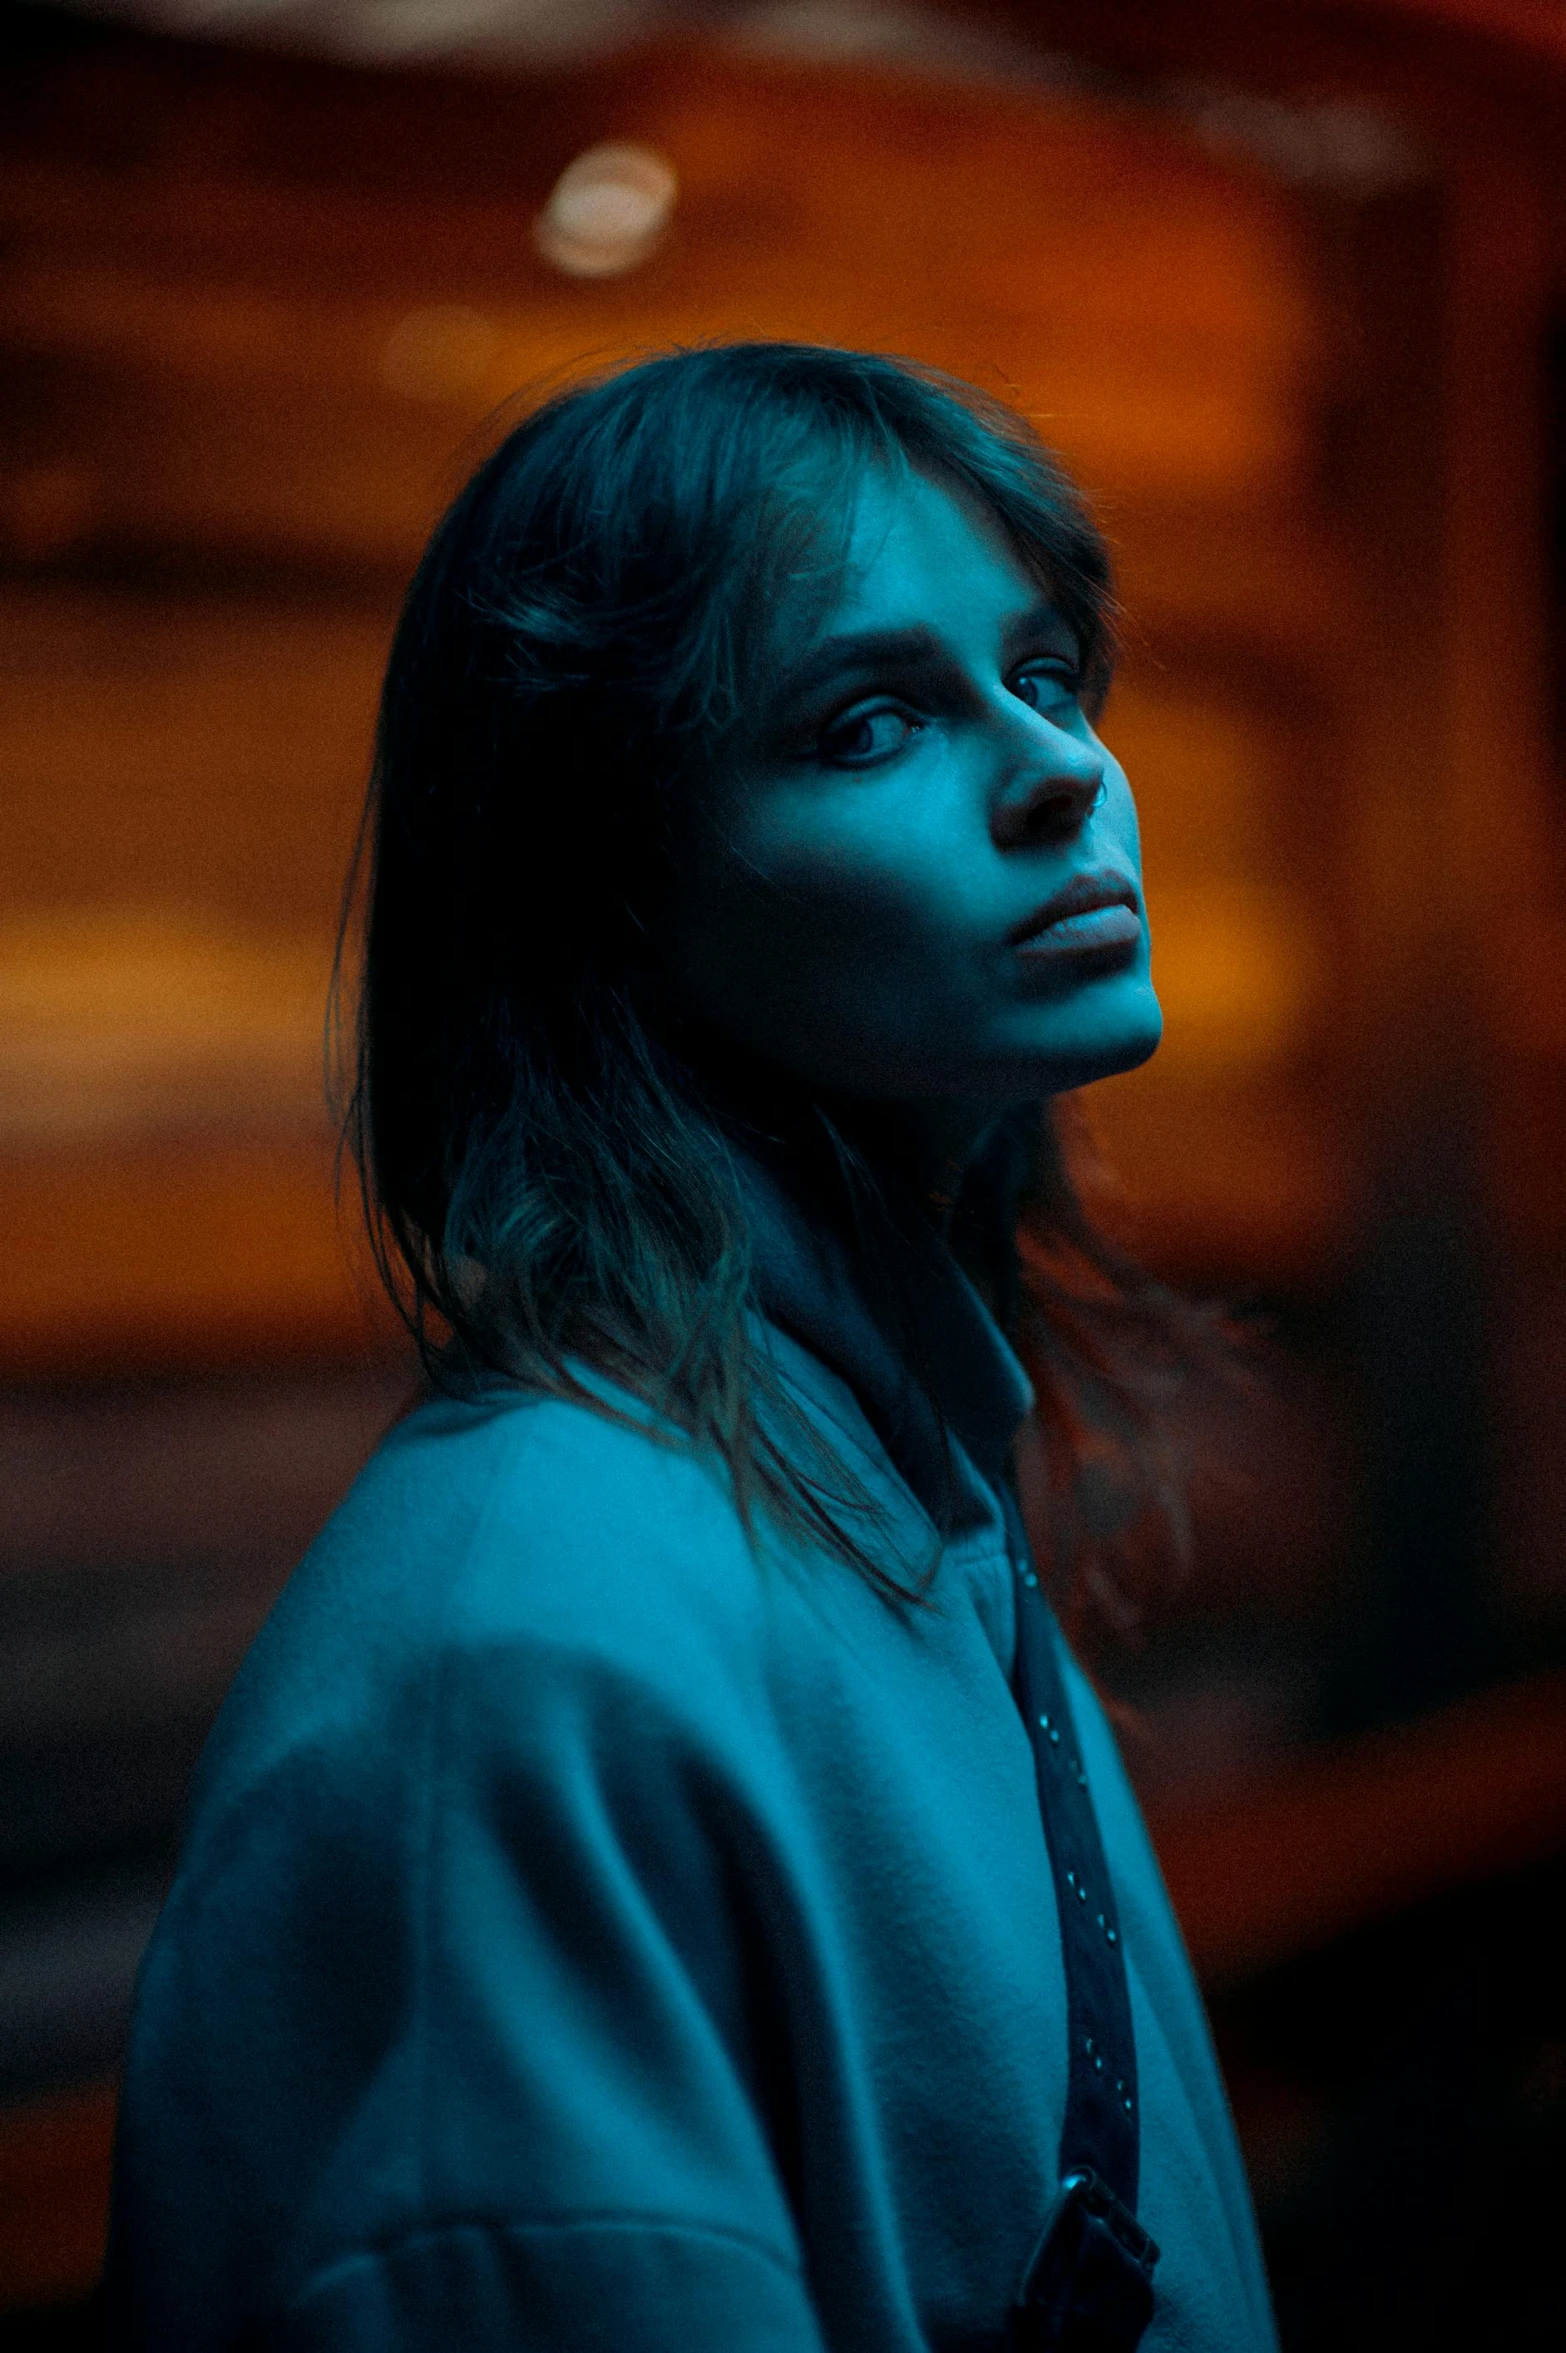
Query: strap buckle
1089,2285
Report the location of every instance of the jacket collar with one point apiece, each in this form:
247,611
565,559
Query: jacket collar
809,1286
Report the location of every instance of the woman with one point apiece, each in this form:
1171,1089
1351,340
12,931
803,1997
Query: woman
617,1908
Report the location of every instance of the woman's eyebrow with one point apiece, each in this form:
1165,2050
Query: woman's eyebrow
863,649
1039,621
915,648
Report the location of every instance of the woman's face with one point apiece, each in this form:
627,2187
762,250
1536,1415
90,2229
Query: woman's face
917,877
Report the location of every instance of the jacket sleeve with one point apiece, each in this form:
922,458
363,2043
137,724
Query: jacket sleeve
595,2286
577,2105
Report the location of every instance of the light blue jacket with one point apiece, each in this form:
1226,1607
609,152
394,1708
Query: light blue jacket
590,1935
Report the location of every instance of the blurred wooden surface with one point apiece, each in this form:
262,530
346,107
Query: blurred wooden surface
160,1260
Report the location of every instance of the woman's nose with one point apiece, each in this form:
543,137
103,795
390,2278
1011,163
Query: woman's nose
1052,792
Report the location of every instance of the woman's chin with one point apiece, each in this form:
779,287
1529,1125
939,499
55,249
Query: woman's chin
1137,1044
1105,1041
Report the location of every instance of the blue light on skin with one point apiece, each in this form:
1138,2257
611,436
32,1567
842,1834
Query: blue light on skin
857,891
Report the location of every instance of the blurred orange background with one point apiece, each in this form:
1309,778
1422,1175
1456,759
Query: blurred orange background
1287,288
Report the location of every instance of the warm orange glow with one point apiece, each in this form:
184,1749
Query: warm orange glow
186,772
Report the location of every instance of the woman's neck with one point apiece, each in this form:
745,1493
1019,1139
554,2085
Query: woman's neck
920,1149
923,1148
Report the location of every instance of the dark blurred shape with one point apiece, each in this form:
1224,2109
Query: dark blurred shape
148,1527
1361,1831
1401,2097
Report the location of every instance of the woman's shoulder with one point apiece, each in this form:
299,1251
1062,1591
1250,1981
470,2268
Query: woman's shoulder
508,1516
495,1544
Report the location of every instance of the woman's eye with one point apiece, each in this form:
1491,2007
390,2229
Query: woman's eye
1047,689
865,737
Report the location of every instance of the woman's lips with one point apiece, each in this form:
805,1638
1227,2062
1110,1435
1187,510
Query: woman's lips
1094,931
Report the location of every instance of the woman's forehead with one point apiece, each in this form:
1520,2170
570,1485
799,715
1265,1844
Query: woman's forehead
917,553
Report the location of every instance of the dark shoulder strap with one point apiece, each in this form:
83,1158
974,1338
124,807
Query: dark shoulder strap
1102,2129
1088,2287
